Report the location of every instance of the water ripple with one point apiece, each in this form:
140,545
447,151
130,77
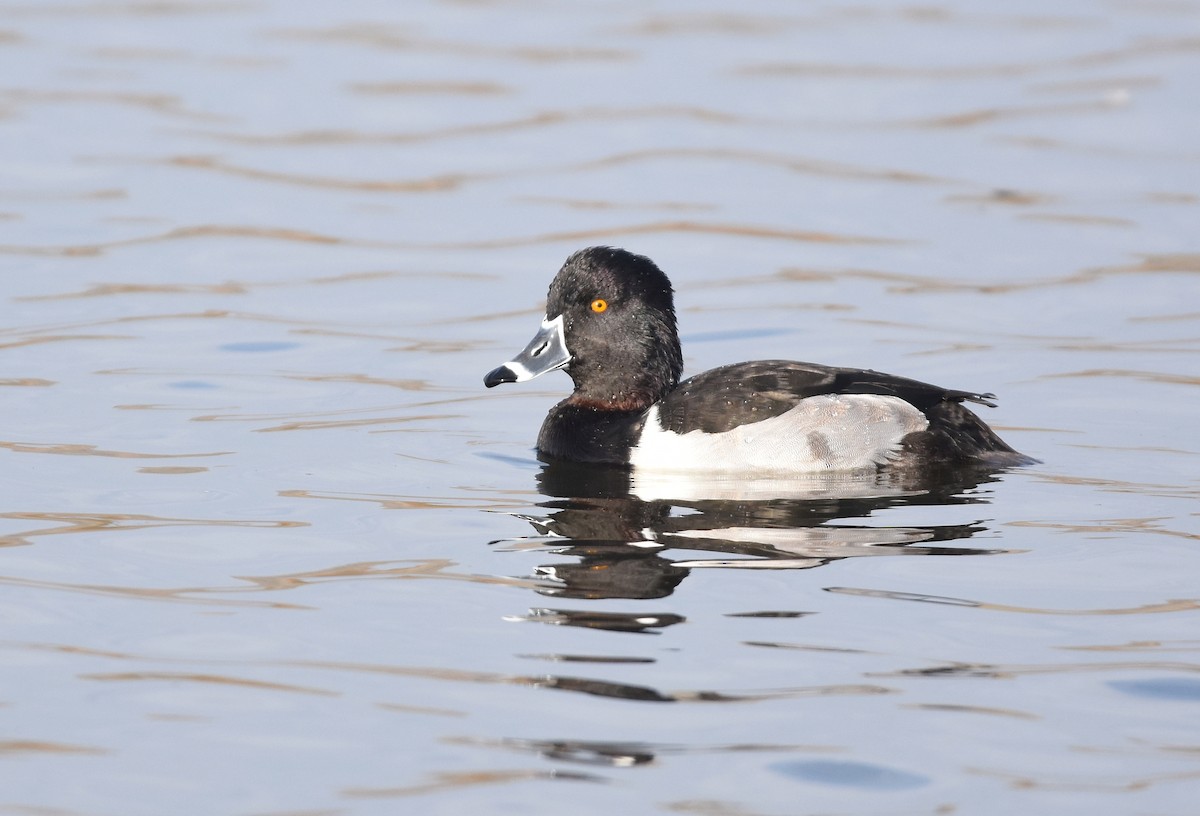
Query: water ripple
67,449
572,236
1109,783
1175,605
446,182
71,523
164,104
431,87
1151,264
234,287
980,116
615,754
541,119
795,164
431,184
213,679
1150,48
457,780
10,747
1148,376
393,38
126,8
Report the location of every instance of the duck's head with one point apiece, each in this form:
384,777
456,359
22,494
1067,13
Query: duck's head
610,323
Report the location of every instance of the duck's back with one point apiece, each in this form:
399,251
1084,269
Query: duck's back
779,415
723,398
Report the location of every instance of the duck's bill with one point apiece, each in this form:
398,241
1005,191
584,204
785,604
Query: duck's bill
547,351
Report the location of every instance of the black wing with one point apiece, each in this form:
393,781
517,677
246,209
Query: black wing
733,395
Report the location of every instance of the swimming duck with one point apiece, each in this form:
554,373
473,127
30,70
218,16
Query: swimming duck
610,324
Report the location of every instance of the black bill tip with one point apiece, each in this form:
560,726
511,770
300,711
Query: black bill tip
503,374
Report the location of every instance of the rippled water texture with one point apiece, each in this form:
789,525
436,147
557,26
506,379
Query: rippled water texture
271,548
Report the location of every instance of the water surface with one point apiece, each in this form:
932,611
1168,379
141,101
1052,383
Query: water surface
272,549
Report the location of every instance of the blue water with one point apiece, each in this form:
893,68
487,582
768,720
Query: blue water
273,549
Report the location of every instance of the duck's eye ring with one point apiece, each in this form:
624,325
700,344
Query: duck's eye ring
599,305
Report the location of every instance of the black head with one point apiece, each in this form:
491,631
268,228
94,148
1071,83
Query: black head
619,322
618,327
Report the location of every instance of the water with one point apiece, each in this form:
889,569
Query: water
273,549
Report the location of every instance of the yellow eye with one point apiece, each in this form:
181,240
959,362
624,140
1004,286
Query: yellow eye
599,305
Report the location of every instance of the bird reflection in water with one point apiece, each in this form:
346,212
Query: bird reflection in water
635,538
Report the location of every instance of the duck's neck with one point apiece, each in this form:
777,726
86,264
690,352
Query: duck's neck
623,388
631,401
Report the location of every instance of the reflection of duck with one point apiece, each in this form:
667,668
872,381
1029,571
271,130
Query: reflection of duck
610,322
620,539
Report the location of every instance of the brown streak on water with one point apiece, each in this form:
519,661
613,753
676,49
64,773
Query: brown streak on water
981,116
1009,197
327,424
96,522
1106,150
1120,486
1111,527
573,236
1079,220
365,379
703,228
173,471
1140,646
157,103
970,709
1106,784
434,568
1165,607
232,287
401,708
661,25
392,502
121,289
1008,672
214,679
598,204
9,747
531,121
431,184
183,595
1150,48
297,417
792,163
110,194
62,338
395,38
209,314
128,8
1150,376
450,780
91,450
452,88
1092,86
1178,263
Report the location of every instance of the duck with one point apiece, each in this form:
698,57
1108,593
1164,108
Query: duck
610,324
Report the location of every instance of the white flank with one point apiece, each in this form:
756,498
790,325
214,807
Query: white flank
830,432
